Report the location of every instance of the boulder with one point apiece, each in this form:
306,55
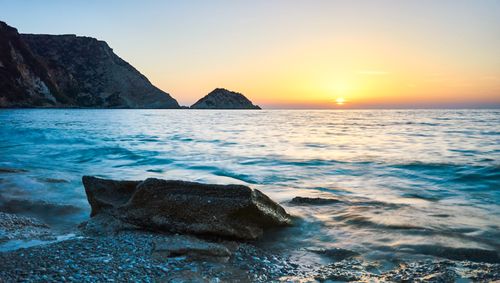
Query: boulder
337,254
234,211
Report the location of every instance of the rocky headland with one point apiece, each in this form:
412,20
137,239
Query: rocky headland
69,71
38,70
221,98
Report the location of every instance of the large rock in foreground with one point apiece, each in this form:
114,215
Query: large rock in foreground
221,98
234,211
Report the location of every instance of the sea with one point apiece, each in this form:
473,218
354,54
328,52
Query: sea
410,184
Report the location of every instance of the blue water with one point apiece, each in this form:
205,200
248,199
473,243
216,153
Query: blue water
404,177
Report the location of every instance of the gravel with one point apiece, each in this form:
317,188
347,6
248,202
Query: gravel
140,256
16,227
128,257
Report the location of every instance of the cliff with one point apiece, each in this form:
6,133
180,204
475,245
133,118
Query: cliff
70,71
221,98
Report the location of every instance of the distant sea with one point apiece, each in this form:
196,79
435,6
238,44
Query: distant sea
409,182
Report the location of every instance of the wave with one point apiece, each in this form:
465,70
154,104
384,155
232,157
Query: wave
365,222
472,254
24,206
86,155
448,172
53,180
147,161
5,170
422,166
225,173
180,138
422,195
296,163
490,173
360,221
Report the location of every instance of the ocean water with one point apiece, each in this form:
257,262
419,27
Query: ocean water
410,183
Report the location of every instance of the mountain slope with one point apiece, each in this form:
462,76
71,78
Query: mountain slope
70,71
24,81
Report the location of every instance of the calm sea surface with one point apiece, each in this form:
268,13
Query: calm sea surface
408,181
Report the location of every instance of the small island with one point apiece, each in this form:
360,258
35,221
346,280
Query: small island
221,98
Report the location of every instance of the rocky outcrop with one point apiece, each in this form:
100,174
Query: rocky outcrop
24,81
233,211
337,254
70,71
221,98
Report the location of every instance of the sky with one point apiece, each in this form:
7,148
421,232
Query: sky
294,53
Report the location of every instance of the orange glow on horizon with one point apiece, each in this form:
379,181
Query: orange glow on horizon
416,63
298,54
308,76
340,101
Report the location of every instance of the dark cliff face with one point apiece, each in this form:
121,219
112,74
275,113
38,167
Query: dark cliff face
221,98
70,71
24,81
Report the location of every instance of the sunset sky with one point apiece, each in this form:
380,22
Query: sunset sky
295,54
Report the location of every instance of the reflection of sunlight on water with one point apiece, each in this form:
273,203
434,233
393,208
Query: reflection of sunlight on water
403,175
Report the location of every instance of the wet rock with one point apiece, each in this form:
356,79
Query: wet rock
336,254
341,271
313,201
53,180
191,247
422,272
186,207
11,170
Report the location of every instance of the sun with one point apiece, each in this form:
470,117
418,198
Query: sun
340,101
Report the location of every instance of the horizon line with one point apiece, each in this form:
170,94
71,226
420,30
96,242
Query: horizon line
280,108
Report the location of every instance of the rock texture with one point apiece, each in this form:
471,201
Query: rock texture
24,81
221,98
234,211
70,71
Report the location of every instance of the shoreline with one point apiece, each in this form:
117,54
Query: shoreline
141,256
130,256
